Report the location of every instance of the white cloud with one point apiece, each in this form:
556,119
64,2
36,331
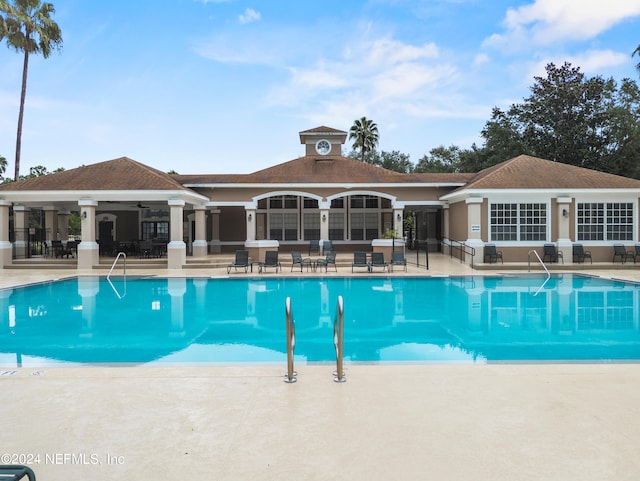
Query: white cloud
592,62
545,22
249,16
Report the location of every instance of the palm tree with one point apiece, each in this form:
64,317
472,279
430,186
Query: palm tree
637,52
29,29
364,132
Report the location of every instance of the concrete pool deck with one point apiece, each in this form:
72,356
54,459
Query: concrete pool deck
490,422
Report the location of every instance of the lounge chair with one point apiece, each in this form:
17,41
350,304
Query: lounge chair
552,253
397,259
377,260
241,262
329,260
314,247
492,254
360,260
297,260
620,251
270,260
16,472
327,246
579,254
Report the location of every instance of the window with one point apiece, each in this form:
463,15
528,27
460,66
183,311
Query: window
504,222
155,230
533,222
364,226
364,202
311,225
599,221
336,226
524,222
283,226
283,202
310,203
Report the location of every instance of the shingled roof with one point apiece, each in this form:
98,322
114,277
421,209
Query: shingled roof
526,172
117,174
323,170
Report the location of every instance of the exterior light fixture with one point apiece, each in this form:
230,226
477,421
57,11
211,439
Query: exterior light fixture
250,216
84,214
565,213
399,217
324,217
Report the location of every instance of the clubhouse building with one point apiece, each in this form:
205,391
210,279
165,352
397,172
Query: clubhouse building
519,206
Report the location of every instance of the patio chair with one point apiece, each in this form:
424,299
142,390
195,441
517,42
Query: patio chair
297,260
360,260
377,260
491,253
620,251
327,246
270,260
314,247
552,253
329,260
241,261
16,472
579,254
398,259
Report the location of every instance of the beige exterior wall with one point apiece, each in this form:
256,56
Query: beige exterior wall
458,221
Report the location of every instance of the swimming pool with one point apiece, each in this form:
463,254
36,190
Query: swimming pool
165,321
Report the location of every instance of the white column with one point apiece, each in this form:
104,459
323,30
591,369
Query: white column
251,224
200,242
324,224
564,216
397,222
445,228
474,228
176,249
5,245
88,253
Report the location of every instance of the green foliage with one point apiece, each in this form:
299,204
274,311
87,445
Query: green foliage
28,28
74,223
3,167
364,133
569,118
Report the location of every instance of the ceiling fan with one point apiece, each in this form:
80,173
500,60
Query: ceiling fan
140,206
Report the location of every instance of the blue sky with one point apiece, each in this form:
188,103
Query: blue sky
224,86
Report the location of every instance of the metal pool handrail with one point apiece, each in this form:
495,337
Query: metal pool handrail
338,340
124,259
291,341
543,266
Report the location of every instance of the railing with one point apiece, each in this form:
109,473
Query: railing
422,245
124,260
543,266
464,250
338,340
291,342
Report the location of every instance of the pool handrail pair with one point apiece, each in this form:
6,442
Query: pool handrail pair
338,341
291,342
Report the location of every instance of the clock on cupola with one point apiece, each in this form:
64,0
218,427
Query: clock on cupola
323,141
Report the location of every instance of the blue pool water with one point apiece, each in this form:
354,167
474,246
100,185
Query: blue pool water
88,320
